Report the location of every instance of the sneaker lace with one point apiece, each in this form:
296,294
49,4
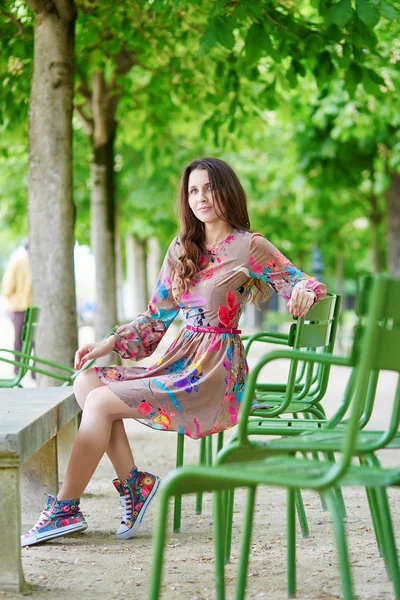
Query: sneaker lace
44,515
127,508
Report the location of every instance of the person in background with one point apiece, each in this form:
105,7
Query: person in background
17,288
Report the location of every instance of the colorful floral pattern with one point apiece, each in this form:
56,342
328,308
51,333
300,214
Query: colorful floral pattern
56,516
197,386
137,488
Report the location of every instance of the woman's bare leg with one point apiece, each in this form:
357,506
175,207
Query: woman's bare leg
119,450
102,408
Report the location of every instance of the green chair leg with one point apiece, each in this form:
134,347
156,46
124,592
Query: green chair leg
159,544
301,513
245,544
389,545
375,517
338,489
220,441
324,507
229,524
219,539
178,498
340,535
202,461
291,542
209,450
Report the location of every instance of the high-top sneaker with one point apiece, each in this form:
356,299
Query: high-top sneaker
135,495
58,517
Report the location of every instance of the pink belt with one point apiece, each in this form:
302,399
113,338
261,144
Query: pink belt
213,329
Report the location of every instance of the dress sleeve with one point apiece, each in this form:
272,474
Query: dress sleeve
269,265
140,338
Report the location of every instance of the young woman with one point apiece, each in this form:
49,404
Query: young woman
211,269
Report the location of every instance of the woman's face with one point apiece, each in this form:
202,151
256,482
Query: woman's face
200,196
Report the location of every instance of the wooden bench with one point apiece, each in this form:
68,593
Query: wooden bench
37,430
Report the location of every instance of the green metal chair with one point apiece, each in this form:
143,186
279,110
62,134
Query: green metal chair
27,361
317,330
377,348
302,392
27,337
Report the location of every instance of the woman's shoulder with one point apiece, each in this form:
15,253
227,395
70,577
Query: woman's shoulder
250,238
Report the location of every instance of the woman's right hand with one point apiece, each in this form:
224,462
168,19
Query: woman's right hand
96,350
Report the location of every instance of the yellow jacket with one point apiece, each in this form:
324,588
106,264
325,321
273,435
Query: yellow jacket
17,282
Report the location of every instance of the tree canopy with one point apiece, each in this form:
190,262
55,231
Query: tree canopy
300,97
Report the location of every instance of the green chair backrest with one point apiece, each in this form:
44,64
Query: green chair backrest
319,326
376,348
28,337
316,331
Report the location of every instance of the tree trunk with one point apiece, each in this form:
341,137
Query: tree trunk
393,225
50,205
339,272
119,276
102,212
136,268
153,265
374,221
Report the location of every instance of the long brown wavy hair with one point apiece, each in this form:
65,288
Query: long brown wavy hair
230,205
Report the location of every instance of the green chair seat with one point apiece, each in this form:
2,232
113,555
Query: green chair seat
326,441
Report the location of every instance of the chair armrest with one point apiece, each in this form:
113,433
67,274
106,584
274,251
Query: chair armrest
323,358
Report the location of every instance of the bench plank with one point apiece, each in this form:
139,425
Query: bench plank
29,418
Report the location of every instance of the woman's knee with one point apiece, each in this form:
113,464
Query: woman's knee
84,384
103,401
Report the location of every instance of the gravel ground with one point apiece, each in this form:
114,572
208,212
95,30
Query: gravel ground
96,564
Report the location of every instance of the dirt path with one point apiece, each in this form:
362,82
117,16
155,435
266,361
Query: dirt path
97,565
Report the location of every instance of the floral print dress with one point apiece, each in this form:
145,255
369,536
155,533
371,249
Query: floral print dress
197,386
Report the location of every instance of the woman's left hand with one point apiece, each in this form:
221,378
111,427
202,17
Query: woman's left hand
300,302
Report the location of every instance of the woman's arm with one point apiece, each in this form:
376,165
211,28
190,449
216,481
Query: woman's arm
267,263
141,337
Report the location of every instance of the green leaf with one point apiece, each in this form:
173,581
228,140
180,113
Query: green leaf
291,76
298,67
347,50
376,78
324,68
367,12
224,33
359,55
158,6
269,96
256,8
339,14
207,41
369,82
257,41
219,69
363,36
314,44
388,11
354,75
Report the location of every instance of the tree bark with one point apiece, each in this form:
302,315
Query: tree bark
153,265
339,272
50,204
393,225
103,210
375,219
136,268
101,102
119,275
